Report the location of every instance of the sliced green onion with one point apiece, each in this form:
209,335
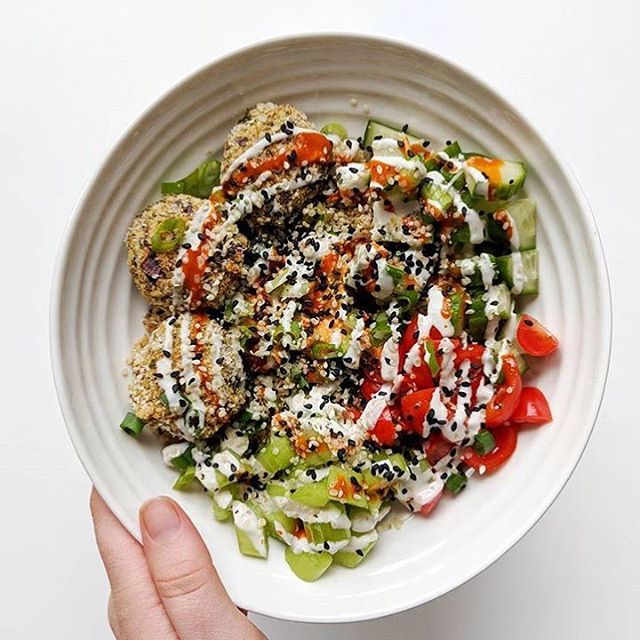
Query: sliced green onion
168,235
296,329
324,350
336,129
198,183
132,425
185,478
433,360
298,378
484,442
396,273
456,482
381,329
408,298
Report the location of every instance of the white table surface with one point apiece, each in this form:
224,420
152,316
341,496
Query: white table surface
75,72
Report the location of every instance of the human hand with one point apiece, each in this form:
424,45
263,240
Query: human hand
167,588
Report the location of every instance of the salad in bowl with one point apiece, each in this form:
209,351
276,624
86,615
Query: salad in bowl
333,333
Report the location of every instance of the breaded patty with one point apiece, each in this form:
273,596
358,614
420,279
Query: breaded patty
269,118
187,377
153,271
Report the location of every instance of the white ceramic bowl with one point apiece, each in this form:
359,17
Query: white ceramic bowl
96,313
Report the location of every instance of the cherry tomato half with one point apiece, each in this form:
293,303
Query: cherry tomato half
506,438
369,388
533,408
384,431
427,508
414,408
507,396
436,447
534,338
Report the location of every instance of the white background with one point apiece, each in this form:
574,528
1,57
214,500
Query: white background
74,73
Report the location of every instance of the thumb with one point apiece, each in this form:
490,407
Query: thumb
189,587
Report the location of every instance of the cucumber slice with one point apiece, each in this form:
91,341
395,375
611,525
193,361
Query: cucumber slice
522,216
499,301
250,530
480,270
520,272
321,532
376,128
308,566
276,516
436,196
385,470
357,549
346,487
314,494
277,455
477,318
494,179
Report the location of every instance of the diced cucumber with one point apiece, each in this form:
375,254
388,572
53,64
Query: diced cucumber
376,128
472,268
522,215
308,566
276,489
221,501
321,532
502,178
346,486
437,196
477,318
520,272
250,530
314,494
384,470
498,302
276,516
220,514
357,549
277,454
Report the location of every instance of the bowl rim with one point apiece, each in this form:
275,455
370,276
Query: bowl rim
56,301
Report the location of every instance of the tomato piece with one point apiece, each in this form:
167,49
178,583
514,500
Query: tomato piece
384,431
472,352
506,438
436,447
427,508
420,377
369,388
414,408
506,398
534,338
533,408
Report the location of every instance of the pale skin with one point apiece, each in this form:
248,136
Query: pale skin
167,587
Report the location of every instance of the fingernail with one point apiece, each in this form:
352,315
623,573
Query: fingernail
160,518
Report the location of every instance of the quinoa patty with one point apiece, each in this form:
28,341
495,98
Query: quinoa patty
196,369
153,272
264,119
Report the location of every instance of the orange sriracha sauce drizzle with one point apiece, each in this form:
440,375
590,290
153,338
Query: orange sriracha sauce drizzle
490,167
387,174
309,147
194,261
